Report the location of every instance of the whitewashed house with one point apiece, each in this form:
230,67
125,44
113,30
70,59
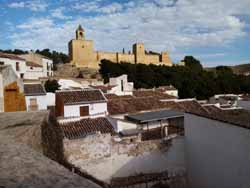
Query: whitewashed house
33,71
81,103
35,97
170,90
17,63
37,66
118,86
151,124
66,84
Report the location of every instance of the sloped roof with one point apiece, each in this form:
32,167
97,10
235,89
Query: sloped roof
154,116
80,96
151,93
33,64
34,89
10,56
239,117
84,127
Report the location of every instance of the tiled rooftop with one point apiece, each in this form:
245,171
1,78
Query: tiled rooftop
84,127
80,96
34,89
239,117
103,88
32,64
151,93
11,56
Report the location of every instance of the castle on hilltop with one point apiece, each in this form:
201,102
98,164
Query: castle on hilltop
82,54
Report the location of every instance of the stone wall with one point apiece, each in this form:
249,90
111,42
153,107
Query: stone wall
112,56
52,139
104,158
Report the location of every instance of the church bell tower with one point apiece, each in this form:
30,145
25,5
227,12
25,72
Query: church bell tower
80,33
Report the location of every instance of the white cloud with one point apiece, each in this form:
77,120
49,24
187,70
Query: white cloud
172,26
34,5
112,8
59,13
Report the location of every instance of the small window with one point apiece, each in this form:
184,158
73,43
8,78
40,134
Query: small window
21,75
17,66
31,68
1,63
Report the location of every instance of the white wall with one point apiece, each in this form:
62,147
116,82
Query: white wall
41,101
8,76
218,154
34,73
12,62
172,92
244,104
94,109
49,71
128,87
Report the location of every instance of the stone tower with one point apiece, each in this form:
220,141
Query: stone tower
81,51
80,33
139,52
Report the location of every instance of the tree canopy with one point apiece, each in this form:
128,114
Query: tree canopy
191,80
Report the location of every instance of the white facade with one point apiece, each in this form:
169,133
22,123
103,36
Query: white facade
121,85
218,153
40,100
19,66
244,104
95,110
173,92
34,72
47,67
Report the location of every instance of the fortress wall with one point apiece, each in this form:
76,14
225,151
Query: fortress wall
126,57
112,56
151,59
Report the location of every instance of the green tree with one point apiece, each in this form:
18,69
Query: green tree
51,86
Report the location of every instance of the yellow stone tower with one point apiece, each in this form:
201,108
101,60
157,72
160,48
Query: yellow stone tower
81,51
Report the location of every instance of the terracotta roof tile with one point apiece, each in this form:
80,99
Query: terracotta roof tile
32,64
80,96
239,117
151,93
11,56
84,127
34,89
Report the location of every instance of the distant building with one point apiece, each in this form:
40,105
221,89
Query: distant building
118,86
81,103
11,90
38,66
35,97
17,63
151,125
170,90
82,54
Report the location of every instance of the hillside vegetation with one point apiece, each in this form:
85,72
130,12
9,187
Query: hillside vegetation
191,80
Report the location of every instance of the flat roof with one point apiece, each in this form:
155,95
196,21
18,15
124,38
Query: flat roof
154,116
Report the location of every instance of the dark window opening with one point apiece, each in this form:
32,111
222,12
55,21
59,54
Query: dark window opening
122,87
1,63
21,75
17,66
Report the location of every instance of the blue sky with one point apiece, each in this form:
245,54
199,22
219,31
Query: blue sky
215,31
